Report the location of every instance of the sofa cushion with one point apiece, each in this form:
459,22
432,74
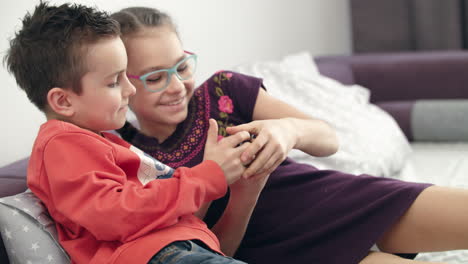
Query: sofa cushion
408,76
440,120
28,233
13,177
444,120
335,70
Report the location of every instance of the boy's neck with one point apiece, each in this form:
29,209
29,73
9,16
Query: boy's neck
54,116
51,115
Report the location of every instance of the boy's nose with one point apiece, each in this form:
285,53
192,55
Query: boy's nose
129,89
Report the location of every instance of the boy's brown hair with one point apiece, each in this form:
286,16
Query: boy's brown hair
50,49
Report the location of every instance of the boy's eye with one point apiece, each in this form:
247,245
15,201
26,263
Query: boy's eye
113,85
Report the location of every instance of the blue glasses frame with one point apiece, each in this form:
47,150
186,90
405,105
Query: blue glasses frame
170,72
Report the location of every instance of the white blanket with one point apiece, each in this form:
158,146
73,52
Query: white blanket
370,140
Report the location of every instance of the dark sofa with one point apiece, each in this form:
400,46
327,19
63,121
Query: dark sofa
396,81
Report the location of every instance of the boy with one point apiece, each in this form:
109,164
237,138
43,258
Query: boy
111,203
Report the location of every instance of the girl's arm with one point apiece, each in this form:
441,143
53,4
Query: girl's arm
231,227
279,127
313,136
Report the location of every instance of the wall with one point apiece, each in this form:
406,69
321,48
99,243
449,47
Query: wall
222,33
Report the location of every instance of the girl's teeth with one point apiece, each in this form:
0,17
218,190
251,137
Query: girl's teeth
176,102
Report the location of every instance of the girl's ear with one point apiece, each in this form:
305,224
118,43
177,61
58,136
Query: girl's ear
59,101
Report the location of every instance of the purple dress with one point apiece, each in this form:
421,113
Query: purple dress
304,215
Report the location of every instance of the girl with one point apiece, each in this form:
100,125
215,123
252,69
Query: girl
302,214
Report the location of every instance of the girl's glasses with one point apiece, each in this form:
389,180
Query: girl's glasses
157,81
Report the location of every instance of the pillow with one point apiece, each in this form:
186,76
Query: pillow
371,141
440,120
28,233
436,120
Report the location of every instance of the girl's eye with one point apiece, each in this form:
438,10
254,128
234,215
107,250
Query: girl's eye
182,67
155,77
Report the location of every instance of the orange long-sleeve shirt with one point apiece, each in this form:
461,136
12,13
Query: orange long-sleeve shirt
111,202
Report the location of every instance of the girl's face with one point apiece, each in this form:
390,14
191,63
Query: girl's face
158,113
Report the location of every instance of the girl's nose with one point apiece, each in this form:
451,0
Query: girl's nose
175,85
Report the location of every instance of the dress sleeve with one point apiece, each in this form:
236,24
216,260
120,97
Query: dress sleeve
88,188
241,89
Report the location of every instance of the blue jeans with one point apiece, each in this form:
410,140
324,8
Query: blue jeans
190,252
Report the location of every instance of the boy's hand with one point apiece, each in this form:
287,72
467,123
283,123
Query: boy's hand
226,152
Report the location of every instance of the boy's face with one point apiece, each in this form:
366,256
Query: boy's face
103,103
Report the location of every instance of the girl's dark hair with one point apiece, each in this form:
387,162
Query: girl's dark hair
50,48
133,20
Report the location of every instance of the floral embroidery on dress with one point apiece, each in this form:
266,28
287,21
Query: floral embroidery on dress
225,105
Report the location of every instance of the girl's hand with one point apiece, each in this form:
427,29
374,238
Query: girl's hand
226,152
274,139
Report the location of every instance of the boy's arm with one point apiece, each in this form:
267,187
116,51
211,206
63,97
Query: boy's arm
88,187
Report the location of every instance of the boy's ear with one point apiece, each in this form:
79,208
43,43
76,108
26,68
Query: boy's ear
60,102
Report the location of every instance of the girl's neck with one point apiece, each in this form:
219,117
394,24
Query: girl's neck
159,131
